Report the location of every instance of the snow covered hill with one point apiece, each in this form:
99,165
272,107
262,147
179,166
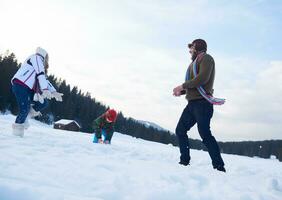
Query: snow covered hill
49,164
151,124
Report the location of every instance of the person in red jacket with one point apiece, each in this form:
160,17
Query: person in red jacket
104,127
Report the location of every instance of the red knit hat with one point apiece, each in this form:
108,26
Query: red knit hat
111,115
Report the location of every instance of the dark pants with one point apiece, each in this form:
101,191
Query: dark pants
200,112
24,98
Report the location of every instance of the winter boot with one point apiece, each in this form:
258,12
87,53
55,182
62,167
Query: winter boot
26,124
220,168
32,113
185,163
18,129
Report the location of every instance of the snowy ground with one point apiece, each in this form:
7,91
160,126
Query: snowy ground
50,164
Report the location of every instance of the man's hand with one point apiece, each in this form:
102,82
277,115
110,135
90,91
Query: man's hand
177,91
57,96
46,94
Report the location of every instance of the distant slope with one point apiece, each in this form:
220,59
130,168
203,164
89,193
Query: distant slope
152,124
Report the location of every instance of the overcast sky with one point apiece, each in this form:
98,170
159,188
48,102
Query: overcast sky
131,54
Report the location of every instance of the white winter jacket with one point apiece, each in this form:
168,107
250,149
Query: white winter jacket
32,68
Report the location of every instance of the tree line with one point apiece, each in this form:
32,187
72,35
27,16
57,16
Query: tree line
83,108
76,105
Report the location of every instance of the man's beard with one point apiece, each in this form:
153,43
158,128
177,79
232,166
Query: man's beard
194,56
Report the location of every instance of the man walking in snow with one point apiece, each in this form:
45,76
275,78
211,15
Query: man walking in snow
198,87
31,88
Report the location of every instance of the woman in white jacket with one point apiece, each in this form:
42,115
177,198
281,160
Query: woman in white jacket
31,88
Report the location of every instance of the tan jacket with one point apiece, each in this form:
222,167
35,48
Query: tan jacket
204,78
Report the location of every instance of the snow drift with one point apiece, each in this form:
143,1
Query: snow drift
62,165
